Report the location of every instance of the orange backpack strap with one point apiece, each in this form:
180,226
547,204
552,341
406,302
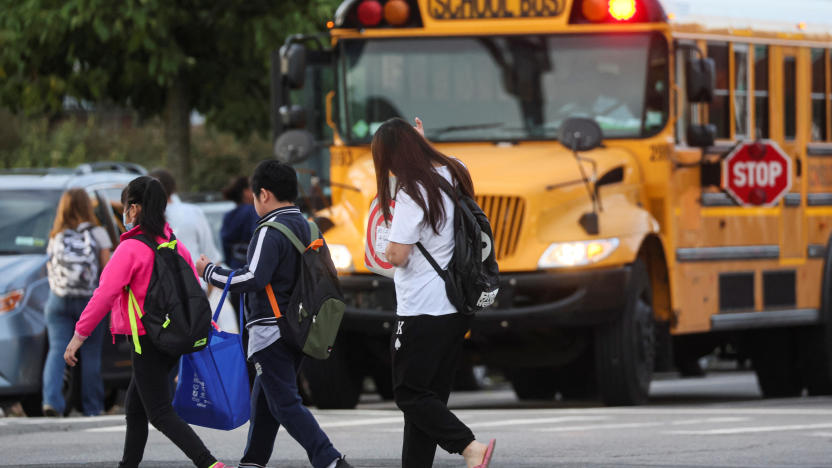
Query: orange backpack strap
273,301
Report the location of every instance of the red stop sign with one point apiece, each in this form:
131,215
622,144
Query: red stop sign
757,173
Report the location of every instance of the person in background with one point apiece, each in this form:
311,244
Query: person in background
238,224
186,219
426,345
237,227
77,251
148,395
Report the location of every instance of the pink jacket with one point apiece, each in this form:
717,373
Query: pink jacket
131,265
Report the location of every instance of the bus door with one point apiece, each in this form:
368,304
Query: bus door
791,130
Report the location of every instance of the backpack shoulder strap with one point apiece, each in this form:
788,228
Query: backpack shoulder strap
145,240
286,232
431,260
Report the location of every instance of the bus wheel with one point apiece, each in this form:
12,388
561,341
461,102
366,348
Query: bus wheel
816,345
333,383
774,354
625,349
537,383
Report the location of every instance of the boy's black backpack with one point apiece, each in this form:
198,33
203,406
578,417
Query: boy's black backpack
316,305
472,279
176,315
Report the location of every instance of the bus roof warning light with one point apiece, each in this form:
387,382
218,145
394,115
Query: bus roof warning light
622,10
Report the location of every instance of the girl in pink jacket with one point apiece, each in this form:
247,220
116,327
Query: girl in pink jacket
148,395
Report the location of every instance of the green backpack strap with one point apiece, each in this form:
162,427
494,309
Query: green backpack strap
313,229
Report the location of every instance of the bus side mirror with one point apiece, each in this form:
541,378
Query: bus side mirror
701,136
293,64
293,116
294,146
700,78
580,134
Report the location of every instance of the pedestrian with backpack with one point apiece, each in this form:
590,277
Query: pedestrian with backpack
77,251
269,280
134,284
427,340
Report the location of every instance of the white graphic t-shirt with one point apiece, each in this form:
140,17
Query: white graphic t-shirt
419,289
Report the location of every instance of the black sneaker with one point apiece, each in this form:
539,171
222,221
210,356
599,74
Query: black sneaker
50,412
342,463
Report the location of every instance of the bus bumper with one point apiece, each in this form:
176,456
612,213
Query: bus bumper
527,301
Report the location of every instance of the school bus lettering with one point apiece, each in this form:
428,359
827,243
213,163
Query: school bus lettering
494,9
757,174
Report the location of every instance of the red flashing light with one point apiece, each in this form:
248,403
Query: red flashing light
370,12
622,10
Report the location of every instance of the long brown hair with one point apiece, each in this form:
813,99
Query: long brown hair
74,208
398,148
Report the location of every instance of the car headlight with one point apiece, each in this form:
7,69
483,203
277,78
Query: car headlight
341,257
569,254
10,300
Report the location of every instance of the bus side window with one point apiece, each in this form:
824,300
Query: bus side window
790,98
820,76
761,91
719,108
741,100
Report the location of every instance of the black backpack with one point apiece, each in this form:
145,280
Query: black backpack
177,314
316,305
472,279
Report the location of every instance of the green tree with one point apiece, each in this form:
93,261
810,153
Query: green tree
160,57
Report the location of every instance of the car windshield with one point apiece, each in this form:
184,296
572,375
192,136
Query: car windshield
506,88
26,217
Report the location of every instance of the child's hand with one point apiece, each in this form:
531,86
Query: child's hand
201,263
419,128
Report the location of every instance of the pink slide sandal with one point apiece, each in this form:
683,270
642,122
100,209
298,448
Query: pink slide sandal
489,451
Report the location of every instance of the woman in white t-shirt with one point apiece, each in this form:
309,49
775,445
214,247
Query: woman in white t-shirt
427,341
78,251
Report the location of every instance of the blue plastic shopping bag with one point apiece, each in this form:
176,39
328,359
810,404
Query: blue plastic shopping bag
213,389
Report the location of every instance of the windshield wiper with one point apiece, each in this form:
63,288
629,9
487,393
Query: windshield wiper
435,133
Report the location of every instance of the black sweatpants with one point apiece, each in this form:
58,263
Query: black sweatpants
426,353
148,399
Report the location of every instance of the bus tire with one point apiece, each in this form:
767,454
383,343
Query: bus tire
816,346
536,383
332,383
576,380
625,349
775,359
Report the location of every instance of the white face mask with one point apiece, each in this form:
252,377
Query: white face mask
127,226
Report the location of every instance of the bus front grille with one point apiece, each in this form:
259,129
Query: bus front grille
506,217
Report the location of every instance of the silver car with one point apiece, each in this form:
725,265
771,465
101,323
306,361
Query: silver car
28,202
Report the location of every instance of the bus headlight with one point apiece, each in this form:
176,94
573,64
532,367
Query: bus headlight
569,254
341,257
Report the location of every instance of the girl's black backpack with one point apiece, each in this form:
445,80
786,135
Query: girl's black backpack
177,314
472,279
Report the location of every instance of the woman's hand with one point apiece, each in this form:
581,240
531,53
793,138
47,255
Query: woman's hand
419,128
72,349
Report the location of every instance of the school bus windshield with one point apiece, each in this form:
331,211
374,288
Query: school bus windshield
506,88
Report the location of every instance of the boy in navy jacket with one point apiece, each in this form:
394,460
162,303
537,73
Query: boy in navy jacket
273,261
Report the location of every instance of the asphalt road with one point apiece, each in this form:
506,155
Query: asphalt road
719,420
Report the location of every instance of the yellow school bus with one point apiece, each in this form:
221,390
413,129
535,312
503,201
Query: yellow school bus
618,255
